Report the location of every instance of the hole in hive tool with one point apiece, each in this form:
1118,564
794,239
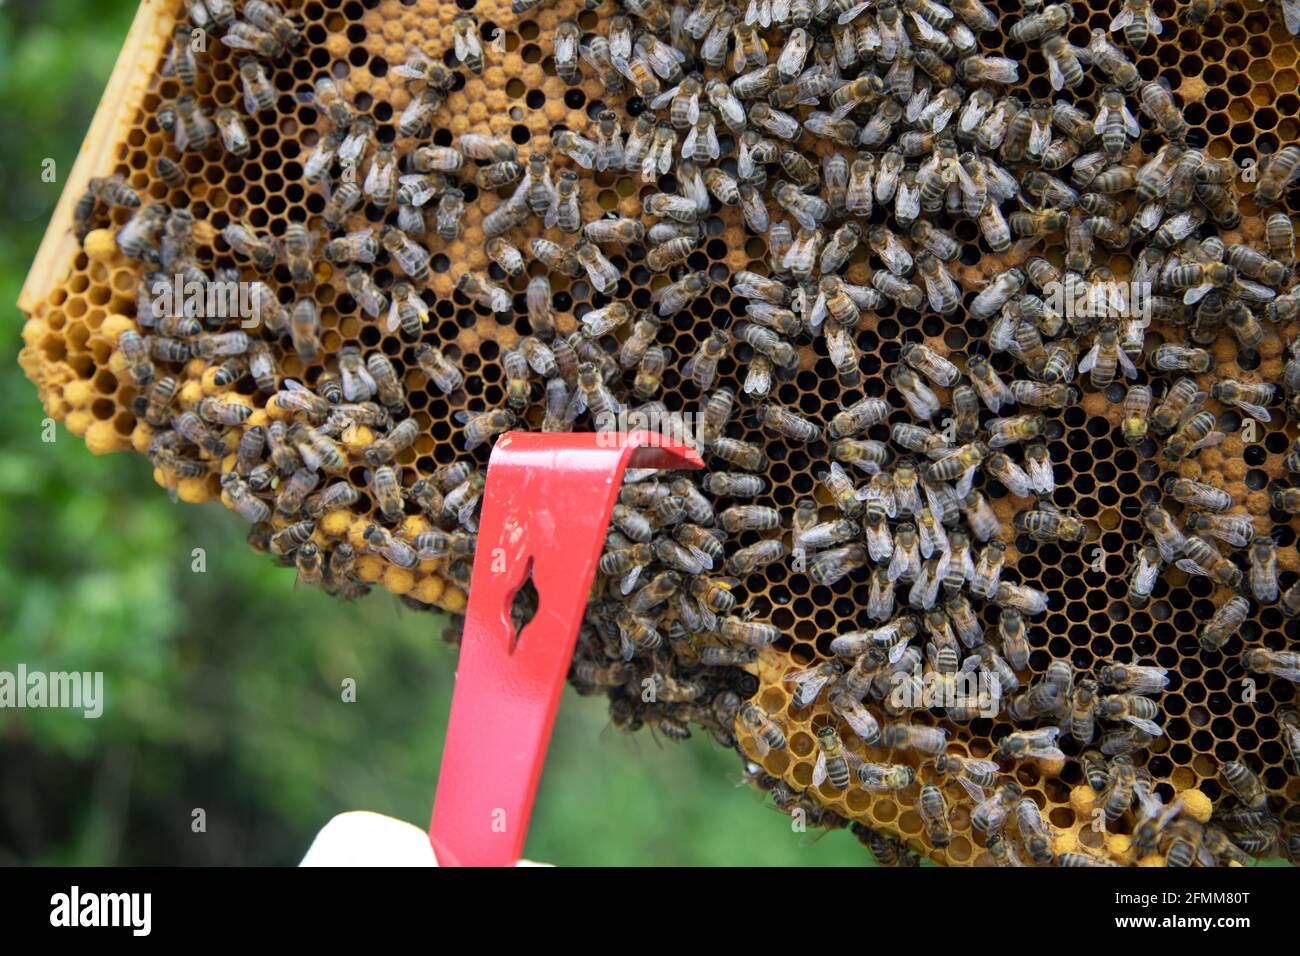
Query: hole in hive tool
546,509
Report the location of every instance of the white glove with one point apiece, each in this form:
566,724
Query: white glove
362,838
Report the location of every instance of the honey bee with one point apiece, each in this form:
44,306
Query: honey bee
741,454
992,391
465,42
1043,525
289,539
233,132
416,117
921,400
1133,709
928,740
1105,357
1280,235
480,427
990,813
193,129
1276,175
1245,784
1020,428
1283,664
480,289
304,329
1225,622
933,808
603,274
755,557
1198,12
316,168
1290,720
342,202
1034,832
1196,432
1037,744
734,485
1286,500
766,732
1180,402
1138,21
329,100
386,544
1158,103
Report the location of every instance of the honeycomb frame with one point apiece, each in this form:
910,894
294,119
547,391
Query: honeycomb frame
1234,74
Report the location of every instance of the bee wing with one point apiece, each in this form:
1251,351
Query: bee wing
1130,370
1148,726
975,791
237,42
693,110
705,561
851,14
1131,124
460,43
1209,441
1154,21
898,565
664,98
1088,361
941,568
1152,680
1195,405
664,162
732,112
819,769
1040,137
1124,18
812,837
552,216
864,725
1291,14
1255,411
374,179
897,651
712,146
1054,73
688,144
628,582
799,677
1099,124
393,312
966,481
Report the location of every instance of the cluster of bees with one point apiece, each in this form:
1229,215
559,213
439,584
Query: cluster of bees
827,126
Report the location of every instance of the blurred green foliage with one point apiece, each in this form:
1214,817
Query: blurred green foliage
224,688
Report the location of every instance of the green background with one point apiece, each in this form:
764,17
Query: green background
223,688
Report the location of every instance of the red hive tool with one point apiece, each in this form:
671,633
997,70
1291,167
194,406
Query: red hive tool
545,512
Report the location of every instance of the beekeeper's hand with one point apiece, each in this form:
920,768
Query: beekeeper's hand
361,838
